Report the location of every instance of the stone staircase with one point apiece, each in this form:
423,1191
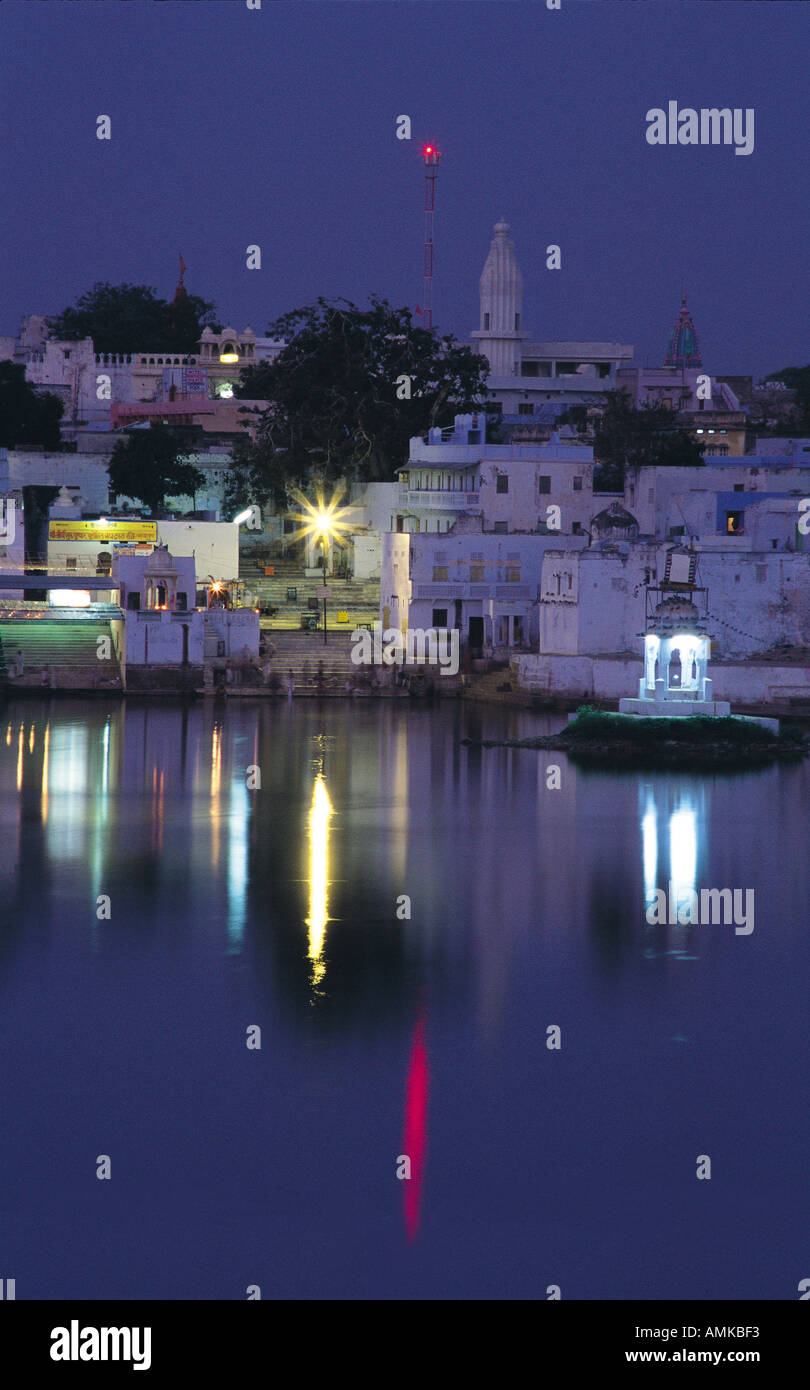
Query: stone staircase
359,598
300,652
67,649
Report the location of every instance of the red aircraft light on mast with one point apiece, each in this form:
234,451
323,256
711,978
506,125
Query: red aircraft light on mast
431,156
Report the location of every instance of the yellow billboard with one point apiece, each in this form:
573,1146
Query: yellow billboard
103,531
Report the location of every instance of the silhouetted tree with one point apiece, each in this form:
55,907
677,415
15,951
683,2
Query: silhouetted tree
339,395
130,318
151,465
27,417
646,438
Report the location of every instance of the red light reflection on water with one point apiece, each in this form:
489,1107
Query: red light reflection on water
414,1143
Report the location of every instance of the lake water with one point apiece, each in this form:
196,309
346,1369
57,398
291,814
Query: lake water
124,1027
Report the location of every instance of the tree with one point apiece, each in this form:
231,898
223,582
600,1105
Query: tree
151,465
27,416
347,393
576,416
797,379
132,318
646,438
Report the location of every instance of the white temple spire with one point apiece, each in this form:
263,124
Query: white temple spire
499,333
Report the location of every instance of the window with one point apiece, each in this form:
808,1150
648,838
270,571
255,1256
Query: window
543,483
530,369
439,574
502,483
512,574
67,354
525,408
577,485
70,562
734,525
486,321
576,529
439,617
774,544
477,574
500,528
739,487
517,322
494,408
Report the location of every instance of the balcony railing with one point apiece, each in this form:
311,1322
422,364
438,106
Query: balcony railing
432,497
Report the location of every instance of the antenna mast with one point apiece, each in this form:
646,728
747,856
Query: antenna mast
431,157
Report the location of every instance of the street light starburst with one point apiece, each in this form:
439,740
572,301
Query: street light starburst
324,521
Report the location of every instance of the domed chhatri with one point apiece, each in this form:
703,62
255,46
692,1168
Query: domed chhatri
614,524
677,646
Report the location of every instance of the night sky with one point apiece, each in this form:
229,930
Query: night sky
277,127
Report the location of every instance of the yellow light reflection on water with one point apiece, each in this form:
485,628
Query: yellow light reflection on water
20,758
216,761
216,782
319,813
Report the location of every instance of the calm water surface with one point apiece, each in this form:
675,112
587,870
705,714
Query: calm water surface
382,1036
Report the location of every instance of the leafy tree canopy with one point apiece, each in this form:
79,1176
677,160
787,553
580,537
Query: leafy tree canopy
576,416
339,404
797,379
646,438
132,318
27,417
151,465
